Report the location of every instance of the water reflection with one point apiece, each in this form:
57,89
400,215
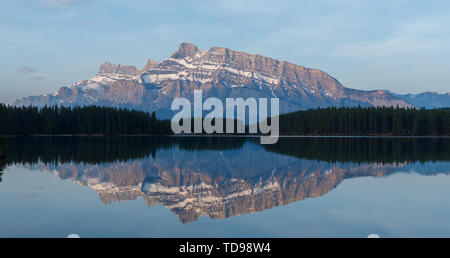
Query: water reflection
2,160
222,177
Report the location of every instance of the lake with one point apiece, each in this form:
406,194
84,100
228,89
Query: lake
224,187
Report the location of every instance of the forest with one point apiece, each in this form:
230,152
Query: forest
376,121
355,121
88,120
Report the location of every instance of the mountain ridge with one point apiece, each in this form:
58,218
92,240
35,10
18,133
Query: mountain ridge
427,99
219,72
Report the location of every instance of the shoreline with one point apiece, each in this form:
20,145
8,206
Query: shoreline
229,136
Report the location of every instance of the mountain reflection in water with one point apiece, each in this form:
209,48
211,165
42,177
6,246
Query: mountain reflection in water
221,177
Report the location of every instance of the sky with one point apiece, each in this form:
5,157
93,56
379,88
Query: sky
401,45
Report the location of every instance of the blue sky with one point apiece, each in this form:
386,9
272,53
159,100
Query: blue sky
398,45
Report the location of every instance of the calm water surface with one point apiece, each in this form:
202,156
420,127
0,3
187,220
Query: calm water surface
224,187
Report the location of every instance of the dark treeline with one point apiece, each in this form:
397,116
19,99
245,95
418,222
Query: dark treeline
2,159
88,150
89,120
93,120
56,150
367,121
212,143
236,124
386,150
102,150
98,150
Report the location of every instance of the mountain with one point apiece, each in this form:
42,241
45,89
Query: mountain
425,99
218,72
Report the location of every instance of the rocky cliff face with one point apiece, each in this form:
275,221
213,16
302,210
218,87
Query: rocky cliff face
218,72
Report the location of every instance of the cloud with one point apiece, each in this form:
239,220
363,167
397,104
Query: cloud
420,36
63,2
37,78
37,188
387,47
30,70
25,196
428,26
239,7
26,69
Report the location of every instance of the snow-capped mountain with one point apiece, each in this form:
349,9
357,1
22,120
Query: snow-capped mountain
218,72
426,99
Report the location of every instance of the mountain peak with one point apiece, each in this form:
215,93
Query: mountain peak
151,64
109,68
185,50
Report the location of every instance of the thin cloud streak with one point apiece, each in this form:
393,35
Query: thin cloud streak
37,78
63,2
26,69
